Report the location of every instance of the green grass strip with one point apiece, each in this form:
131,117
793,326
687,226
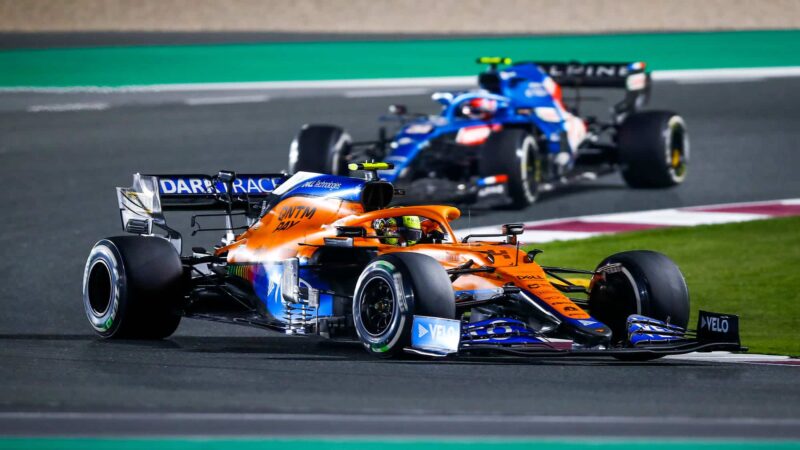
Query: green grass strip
281,61
384,444
749,269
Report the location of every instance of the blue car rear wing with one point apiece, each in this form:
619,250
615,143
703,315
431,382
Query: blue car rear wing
629,75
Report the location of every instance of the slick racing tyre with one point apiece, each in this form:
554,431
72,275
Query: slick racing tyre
653,149
131,285
644,282
515,154
390,291
320,149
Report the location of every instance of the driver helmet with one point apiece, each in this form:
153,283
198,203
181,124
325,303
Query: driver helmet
402,230
479,108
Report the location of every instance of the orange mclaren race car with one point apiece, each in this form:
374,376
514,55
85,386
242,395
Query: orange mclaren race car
325,255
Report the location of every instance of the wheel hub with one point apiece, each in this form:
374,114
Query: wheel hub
377,306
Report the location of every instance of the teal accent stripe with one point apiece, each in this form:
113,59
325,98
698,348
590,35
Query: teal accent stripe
384,444
143,65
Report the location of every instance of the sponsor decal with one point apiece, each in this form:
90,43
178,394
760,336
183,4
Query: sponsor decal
713,327
474,135
493,179
204,186
715,324
185,186
636,82
292,215
496,189
419,128
587,70
320,184
504,253
548,114
297,212
508,74
530,277
435,334
536,90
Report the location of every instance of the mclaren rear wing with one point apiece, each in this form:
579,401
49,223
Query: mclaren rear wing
198,191
143,204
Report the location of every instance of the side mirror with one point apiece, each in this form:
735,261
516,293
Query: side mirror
511,231
398,110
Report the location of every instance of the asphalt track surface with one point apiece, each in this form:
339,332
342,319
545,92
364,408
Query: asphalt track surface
59,170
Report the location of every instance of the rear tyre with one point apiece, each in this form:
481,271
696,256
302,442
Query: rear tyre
649,284
320,149
514,153
653,149
383,314
131,285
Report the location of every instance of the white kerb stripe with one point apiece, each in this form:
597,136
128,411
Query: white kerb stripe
674,217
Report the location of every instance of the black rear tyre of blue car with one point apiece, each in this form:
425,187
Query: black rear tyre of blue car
131,285
653,149
514,153
648,283
383,313
320,149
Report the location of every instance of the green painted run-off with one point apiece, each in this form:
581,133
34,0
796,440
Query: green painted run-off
384,444
143,65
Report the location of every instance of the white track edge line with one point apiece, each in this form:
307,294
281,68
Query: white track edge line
649,211
419,417
726,74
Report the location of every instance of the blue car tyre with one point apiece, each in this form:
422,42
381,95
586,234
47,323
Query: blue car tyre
653,149
514,153
320,149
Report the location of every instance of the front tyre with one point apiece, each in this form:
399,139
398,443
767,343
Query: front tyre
638,282
514,153
390,291
320,149
653,149
131,285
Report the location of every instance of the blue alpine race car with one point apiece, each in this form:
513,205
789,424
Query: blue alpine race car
514,137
